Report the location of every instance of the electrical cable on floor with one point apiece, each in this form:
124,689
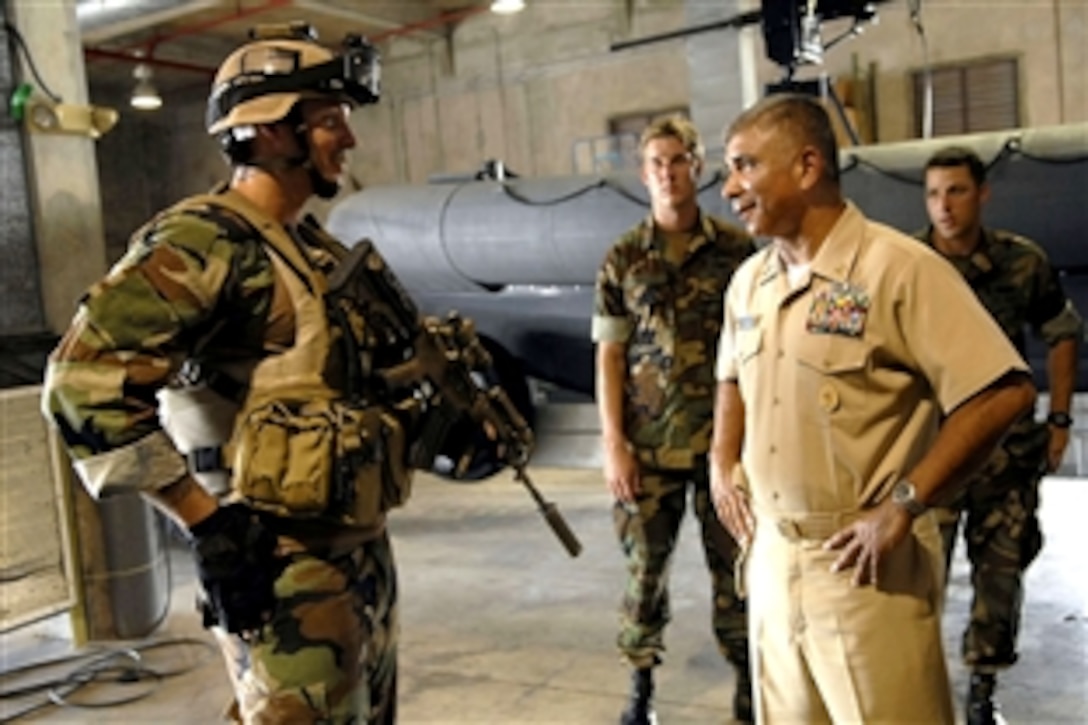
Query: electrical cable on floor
123,666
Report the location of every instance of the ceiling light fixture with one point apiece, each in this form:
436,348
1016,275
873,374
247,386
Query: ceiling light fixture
507,7
145,97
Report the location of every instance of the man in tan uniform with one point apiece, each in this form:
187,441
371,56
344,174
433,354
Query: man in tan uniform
844,345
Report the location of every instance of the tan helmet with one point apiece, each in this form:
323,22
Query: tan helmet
261,81
253,63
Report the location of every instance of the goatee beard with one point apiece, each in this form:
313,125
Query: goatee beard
323,188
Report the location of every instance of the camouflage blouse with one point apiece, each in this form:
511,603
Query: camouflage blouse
669,316
1015,282
195,281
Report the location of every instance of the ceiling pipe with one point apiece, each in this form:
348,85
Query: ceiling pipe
350,16
221,20
447,18
133,56
144,52
100,20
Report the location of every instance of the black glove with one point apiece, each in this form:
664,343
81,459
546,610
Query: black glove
236,562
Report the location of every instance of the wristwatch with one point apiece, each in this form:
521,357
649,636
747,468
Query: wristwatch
905,497
1060,420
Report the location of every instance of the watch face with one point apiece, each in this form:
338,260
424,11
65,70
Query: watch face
903,492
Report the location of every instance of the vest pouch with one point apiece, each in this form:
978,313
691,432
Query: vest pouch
358,467
282,459
305,487
323,458
371,474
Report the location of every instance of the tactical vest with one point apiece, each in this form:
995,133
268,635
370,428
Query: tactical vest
295,446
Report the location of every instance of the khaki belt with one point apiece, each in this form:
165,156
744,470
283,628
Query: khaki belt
810,526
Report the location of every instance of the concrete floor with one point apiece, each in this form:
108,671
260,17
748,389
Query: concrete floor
501,626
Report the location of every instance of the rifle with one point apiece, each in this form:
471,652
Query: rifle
440,364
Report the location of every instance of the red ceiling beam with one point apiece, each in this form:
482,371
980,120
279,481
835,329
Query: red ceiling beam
446,18
240,14
144,52
135,57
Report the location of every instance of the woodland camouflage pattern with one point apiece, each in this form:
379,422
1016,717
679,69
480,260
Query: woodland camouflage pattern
313,642
670,316
1014,281
197,282
136,327
647,532
674,316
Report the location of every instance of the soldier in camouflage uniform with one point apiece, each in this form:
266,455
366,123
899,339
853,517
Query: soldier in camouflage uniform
305,608
656,321
1014,281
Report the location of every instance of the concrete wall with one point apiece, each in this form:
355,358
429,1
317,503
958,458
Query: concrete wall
522,88
61,180
526,88
21,308
1049,37
151,159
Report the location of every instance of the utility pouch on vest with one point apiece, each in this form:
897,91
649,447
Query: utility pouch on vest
371,475
321,459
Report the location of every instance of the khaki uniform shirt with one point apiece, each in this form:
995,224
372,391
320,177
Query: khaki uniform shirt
669,316
845,378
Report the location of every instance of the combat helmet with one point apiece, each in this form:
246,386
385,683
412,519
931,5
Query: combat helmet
261,81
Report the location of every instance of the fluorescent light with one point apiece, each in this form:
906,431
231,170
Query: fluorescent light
506,7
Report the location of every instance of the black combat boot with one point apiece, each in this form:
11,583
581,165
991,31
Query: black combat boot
742,697
981,708
640,710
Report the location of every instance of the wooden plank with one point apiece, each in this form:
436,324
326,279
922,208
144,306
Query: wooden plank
35,564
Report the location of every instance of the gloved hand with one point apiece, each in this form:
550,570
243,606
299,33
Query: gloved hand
236,562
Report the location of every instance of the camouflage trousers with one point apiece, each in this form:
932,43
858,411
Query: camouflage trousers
999,504
329,655
647,533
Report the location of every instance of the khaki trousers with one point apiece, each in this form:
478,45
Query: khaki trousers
826,651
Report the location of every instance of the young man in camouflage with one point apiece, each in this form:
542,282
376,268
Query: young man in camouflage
230,285
656,321
1014,281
